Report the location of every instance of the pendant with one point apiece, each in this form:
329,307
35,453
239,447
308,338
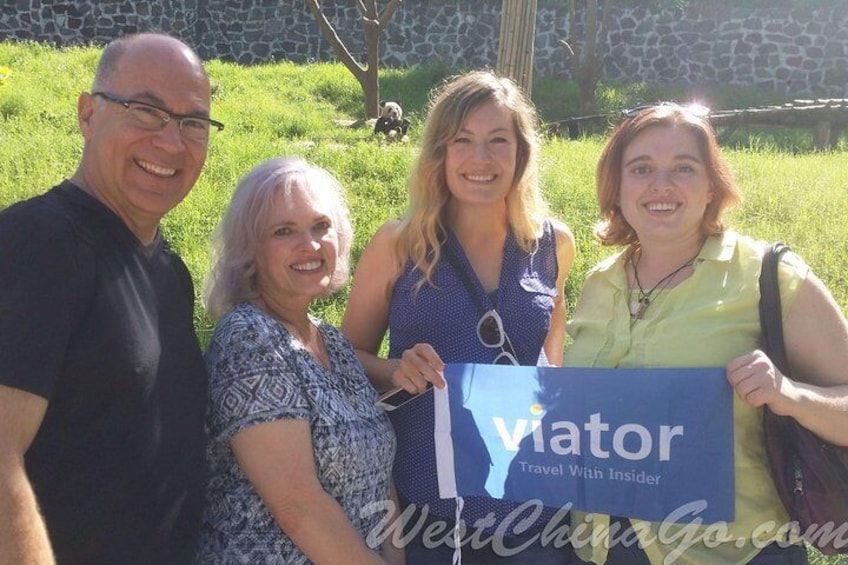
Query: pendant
638,307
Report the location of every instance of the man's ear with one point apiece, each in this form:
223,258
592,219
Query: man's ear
85,111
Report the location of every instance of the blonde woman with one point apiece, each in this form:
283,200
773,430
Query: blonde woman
474,273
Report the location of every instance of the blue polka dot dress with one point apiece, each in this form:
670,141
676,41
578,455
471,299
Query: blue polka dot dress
445,316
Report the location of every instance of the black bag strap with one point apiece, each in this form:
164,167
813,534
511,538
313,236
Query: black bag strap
451,258
771,315
771,324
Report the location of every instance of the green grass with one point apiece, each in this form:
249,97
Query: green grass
275,109
282,108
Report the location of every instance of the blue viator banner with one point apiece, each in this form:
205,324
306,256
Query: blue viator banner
640,443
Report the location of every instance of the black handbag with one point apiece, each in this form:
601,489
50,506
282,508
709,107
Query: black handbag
811,475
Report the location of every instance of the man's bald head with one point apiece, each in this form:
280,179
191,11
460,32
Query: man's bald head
109,64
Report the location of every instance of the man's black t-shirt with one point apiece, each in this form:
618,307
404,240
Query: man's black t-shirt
101,326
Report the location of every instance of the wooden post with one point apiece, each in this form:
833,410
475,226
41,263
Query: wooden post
516,41
822,138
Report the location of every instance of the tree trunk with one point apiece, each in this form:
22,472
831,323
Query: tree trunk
370,81
516,42
587,63
373,24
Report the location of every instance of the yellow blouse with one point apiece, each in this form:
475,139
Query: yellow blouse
706,321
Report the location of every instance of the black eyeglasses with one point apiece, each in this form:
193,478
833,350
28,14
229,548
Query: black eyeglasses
491,333
695,109
153,118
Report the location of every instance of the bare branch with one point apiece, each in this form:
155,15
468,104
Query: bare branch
605,17
603,35
372,24
368,22
586,53
335,41
389,12
590,36
573,56
572,19
567,47
370,18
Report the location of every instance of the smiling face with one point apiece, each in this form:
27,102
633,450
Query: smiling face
480,160
665,187
298,249
141,174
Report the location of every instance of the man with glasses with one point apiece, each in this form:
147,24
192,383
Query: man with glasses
102,383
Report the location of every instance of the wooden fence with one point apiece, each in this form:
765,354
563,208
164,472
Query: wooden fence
827,118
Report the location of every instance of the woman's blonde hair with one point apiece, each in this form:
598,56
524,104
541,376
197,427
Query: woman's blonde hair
233,277
422,230
614,228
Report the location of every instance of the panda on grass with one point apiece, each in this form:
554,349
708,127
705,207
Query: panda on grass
391,122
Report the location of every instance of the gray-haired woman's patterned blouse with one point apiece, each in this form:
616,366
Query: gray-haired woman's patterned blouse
258,372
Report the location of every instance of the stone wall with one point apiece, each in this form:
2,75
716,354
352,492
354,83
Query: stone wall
802,51
799,51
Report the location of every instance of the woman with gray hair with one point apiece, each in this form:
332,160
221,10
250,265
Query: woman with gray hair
297,450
